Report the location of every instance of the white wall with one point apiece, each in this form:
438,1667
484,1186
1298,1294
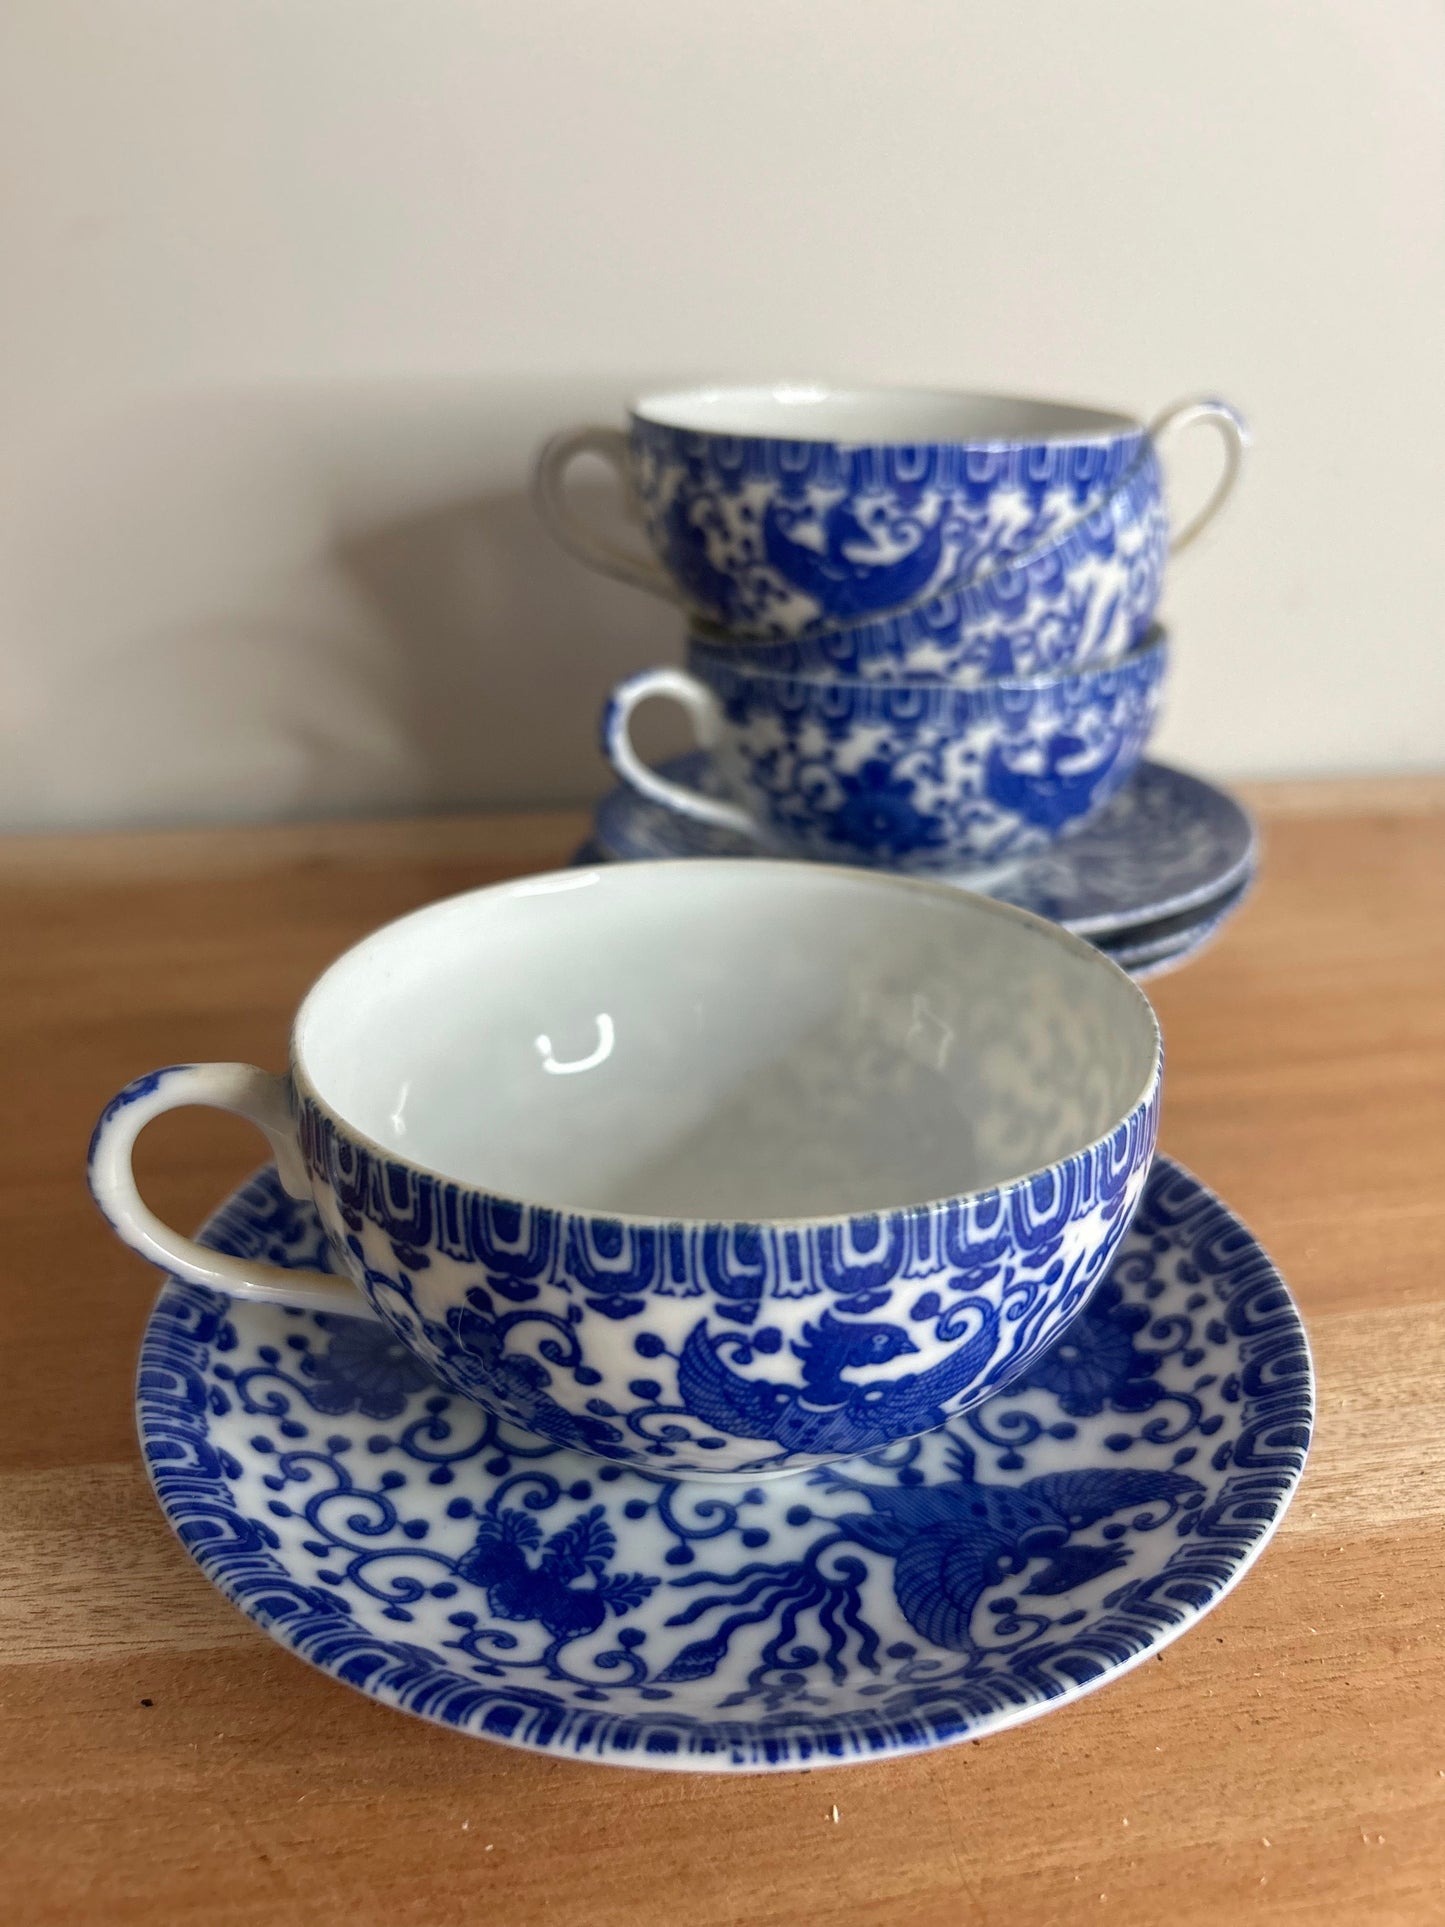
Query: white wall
292,287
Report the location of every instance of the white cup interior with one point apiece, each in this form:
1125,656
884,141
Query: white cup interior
880,417
734,1041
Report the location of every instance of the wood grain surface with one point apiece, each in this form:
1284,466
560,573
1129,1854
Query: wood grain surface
162,1761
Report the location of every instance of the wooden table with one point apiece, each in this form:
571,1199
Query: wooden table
163,1761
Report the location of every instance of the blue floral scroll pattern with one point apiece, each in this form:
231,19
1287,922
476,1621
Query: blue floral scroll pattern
454,1567
717,1360
928,776
1167,842
771,538
1085,597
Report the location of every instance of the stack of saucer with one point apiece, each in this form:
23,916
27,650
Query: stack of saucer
921,638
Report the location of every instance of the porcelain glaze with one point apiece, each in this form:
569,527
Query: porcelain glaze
1167,843
426,1553
900,776
716,1169
797,510
1085,596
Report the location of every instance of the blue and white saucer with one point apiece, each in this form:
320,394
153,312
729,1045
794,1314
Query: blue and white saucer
1151,949
416,1548
1169,842
1164,961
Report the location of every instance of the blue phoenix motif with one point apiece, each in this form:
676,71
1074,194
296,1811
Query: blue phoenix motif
949,1542
943,1585
855,569
775,540
507,1304
826,1413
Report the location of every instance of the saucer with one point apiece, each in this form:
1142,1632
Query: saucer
1144,973
1174,940
1161,959
442,1562
1167,843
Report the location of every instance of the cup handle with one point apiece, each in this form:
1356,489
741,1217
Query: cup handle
263,1100
1232,432
706,717
549,489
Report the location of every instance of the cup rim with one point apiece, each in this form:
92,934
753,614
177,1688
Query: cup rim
1078,423
305,1085
1154,641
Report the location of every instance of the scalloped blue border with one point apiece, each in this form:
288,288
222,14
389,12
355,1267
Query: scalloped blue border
188,1472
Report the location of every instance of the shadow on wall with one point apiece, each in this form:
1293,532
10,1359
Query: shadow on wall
301,602
508,646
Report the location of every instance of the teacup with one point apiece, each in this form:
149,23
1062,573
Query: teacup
716,1169
782,512
916,776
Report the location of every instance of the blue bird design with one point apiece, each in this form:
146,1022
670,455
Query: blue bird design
849,575
827,1413
1049,797
951,1542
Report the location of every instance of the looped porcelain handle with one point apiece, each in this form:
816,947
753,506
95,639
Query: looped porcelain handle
263,1100
1175,421
549,487
705,714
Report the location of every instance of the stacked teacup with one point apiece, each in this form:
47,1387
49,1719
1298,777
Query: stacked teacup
921,627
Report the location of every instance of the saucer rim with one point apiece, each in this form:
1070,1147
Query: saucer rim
1131,949
1162,963
1106,923
1203,894
795,1752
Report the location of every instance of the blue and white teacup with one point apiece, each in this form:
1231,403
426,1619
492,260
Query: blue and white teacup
714,1168
914,776
790,511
